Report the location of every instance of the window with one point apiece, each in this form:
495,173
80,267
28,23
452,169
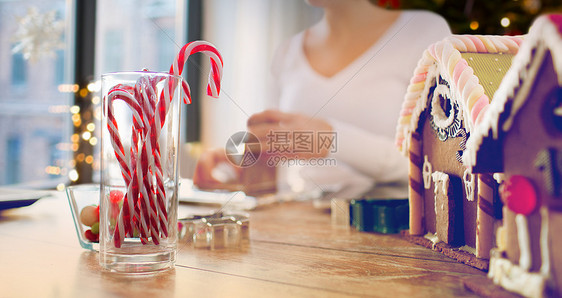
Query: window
553,111
47,110
59,67
19,70
13,157
132,35
112,49
35,128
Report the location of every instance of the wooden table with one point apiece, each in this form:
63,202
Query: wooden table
293,251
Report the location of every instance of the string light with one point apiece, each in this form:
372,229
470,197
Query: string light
86,135
505,22
94,86
73,175
84,138
75,109
68,88
474,25
84,130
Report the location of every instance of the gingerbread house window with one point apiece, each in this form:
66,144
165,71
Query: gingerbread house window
556,108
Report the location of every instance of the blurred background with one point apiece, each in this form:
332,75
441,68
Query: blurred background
53,53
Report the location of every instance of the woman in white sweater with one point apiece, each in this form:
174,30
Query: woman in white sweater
346,76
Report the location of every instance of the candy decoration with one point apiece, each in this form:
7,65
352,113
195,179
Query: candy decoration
519,195
145,200
95,228
213,86
89,216
91,236
115,196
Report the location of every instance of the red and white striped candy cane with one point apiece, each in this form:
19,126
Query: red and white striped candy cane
149,143
215,75
124,224
213,89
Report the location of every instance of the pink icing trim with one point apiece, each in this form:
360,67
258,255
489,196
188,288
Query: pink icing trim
453,61
419,78
466,75
481,114
470,85
461,65
556,19
431,51
467,44
480,47
447,54
474,95
406,112
478,107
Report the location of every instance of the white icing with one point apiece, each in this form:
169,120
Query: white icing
426,172
439,118
524,242
468,249
441,179
518,278
499,177
501,238
515,278
433,238
469,182
545,253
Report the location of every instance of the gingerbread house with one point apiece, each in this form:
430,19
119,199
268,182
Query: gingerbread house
452,210
521,137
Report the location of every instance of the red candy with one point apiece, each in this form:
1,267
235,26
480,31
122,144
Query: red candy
90,215
91,236
115,196
519,194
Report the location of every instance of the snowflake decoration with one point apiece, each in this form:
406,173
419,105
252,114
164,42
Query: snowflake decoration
38,34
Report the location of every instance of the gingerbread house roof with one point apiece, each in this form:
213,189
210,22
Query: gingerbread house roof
472,78
545,34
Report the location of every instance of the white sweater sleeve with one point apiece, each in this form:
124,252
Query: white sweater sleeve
372,155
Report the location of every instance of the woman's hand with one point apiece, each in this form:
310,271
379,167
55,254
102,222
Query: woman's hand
288,134
214,171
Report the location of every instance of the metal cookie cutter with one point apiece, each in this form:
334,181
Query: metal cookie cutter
218,230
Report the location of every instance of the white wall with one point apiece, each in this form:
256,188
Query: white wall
246,32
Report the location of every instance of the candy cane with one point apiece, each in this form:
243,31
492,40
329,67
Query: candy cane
215,75
213,89
147,98
146,211
149,143
124,224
